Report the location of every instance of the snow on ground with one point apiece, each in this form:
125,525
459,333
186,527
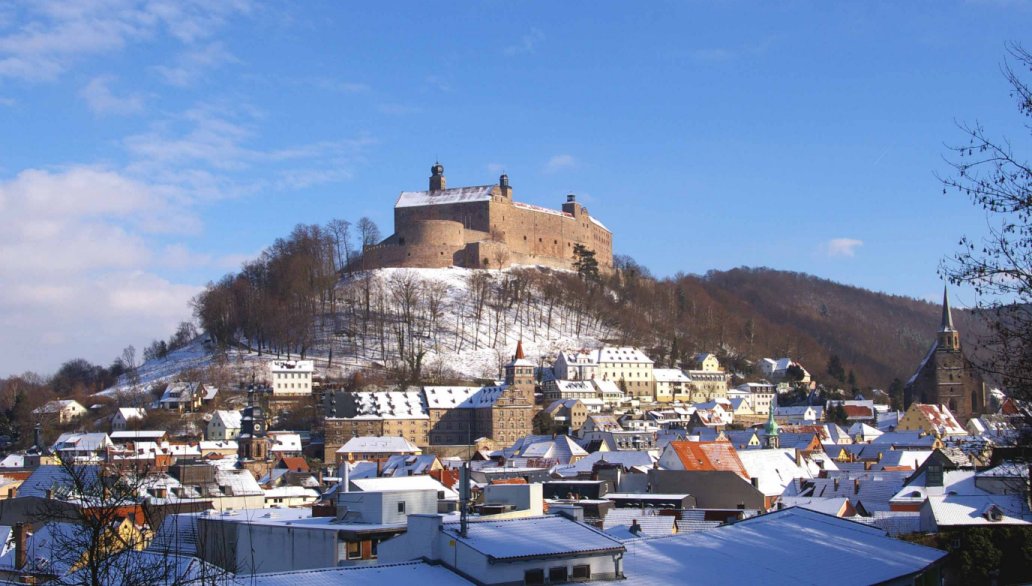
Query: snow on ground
460,346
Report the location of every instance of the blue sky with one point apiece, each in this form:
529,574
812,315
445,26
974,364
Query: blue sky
148,147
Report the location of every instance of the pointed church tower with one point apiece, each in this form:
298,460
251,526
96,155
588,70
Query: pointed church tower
771,428
949,337
946,376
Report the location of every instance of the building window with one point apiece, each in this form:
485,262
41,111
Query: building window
354,550
401,507
557,575
534,577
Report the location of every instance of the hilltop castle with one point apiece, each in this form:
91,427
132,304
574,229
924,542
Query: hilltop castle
482,227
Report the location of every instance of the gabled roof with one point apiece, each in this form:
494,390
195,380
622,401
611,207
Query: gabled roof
419,482
230,419
624,355
130,413
445,397
618,523
774,468
717,455
407,465
940,418
305,366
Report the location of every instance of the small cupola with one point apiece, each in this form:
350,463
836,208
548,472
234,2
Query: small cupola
437,182
503,183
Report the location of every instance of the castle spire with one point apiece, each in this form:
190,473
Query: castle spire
772,426
947,315
519,350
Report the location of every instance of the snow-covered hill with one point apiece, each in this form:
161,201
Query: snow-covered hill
466,321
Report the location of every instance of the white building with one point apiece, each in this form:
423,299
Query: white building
759,395
576,365
292,377
533,550
124,415
224,425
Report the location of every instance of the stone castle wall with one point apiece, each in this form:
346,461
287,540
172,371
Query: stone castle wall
489,233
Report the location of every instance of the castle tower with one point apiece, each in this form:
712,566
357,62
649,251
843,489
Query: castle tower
437,181
513,412
503,183
946,376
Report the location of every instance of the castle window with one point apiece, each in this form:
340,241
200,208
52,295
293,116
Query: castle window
401,241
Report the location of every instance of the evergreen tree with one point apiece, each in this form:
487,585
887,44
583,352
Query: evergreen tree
835,369
586,263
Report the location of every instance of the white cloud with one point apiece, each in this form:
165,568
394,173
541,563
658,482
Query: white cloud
191,65
841,246
528,43
76,258
560,162
101,100
53,36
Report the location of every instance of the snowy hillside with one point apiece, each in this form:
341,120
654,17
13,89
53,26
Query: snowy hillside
465,324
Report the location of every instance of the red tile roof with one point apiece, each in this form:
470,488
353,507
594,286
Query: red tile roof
709,456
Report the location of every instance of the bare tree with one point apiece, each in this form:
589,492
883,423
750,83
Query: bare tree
999,265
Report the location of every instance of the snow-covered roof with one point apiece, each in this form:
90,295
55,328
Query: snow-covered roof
444,397
391,405
618,523
574,386
137,435
420,573
230,419
622,355
409,199
533,537
58,406
377,445
419,482
627,459
130,413
670,375
292,366
291,492
599,224
285,441
407,465
753,552
774,468
82,442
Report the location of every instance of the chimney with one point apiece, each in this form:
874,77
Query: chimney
21,538
50,494
635,527
856,486
755,482
836,483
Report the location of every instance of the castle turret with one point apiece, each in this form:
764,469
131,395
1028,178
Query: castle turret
503,183
572,207
437,182
772,430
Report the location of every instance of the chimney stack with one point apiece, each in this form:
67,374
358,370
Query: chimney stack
21,539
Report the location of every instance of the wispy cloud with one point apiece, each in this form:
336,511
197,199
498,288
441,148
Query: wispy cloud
528,43
560,162
841,247
51,37
191,65
101,100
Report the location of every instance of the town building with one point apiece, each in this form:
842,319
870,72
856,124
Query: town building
930,419
580,365
60,411
483,227
124,415
672,385
224,425
946,376
630,369
291,377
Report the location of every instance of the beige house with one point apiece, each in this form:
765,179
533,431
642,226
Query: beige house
63,411
707,385
934,420
672,385
292,377
707,362
569,412
629,368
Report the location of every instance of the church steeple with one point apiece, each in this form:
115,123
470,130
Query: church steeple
947,314
772,426
949,337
